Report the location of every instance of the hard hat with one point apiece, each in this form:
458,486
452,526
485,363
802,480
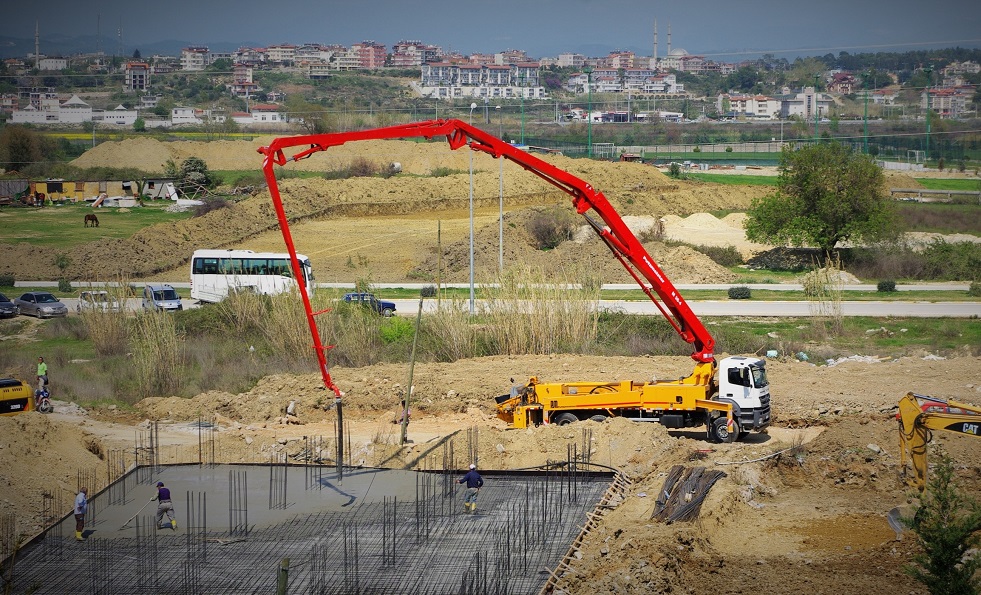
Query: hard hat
472,466
159,483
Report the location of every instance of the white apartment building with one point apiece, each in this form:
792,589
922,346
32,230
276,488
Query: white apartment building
53,63
194,58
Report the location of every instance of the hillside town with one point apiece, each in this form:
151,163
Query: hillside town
41,93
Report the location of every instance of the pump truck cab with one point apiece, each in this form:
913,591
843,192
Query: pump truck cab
730,399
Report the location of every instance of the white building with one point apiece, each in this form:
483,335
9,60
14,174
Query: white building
53,63
749,106
120,116
194,58
186,115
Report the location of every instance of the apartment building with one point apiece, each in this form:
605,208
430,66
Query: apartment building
448,80
137,77
194,58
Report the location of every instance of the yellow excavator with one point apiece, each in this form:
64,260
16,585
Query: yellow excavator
919,416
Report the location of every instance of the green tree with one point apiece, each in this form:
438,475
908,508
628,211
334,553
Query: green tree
946,525
826,194
193,177
311,117
20,147
139,125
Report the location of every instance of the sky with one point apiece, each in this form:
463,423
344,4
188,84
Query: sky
718,29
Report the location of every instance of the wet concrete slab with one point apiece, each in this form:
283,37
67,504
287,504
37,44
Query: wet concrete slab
270,495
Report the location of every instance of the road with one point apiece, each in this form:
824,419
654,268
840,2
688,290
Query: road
913,309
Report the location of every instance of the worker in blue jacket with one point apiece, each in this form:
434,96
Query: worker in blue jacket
164,506
474,482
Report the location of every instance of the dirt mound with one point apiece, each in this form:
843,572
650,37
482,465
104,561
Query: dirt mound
41,455
634,190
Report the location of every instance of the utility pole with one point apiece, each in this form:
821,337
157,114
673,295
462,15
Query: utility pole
589,112
865,141
929,73
816,110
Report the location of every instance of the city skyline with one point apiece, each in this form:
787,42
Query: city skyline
711,28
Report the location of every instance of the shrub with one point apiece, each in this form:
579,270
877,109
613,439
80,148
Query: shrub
886,286
727,256
975,289
6,280
362,168
64,285
428,291
674,170
550,227
728,149
740,292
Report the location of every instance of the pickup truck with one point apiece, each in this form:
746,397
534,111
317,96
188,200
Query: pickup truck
369,300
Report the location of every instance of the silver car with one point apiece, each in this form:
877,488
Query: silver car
41,304
96,301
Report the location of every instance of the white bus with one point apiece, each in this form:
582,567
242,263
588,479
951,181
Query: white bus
216,273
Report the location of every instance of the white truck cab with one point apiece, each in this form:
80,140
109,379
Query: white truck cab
743,384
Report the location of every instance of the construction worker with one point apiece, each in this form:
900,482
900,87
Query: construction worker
81,507
474,482
164,507
42,373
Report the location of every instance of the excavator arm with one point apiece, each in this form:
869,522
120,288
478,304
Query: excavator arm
610,226
919,416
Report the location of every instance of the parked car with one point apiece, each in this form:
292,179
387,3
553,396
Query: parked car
369,300
41,304
162,298
7,308
96,301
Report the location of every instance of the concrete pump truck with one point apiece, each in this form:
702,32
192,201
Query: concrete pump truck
730,398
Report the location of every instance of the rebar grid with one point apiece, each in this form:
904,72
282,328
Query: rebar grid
423,544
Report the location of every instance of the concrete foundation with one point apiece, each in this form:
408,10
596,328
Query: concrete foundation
250,528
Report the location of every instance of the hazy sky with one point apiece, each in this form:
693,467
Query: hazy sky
720,29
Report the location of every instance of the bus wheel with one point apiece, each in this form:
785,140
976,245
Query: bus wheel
564,419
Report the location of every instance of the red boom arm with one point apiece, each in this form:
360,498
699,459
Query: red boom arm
621,241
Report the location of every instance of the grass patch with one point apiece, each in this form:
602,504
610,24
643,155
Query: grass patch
949,184
734,179
61,227
943,218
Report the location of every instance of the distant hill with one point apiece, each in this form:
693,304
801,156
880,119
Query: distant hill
63,45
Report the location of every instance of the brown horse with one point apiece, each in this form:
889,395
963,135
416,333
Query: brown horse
91,218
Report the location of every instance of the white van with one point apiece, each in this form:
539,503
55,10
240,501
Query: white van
161,298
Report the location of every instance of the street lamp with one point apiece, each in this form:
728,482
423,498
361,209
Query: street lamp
500,220
473,106
589,112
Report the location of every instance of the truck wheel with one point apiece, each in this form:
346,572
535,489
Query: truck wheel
719,430
564,419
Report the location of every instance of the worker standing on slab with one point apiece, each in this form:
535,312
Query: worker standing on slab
81,507
42,373
164,506
474,482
